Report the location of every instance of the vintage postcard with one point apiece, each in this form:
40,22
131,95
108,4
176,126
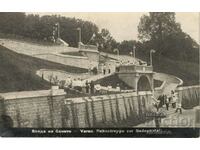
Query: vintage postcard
99,74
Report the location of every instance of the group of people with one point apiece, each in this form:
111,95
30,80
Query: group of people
89,87
106,69
92,88
167,100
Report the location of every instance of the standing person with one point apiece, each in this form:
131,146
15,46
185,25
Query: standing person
70,82
104,69
157,119
97,88
92,87
173,99
167,102
160,101
87,87
179,108
109,71
118,87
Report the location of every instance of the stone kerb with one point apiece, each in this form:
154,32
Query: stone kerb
161,87
32,94
187,87
106,97
56,70
61,55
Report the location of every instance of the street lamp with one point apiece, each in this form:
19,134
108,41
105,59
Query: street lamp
116,51
79,34
134,51
58,29
151,60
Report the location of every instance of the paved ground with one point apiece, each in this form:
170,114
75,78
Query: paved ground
184,120
123,58
171,82
61,75
32,48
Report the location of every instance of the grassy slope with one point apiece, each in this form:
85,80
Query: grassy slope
17,71
188,72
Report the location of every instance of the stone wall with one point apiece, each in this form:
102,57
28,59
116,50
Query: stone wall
189,96
101,111
34,108
1,106
43,109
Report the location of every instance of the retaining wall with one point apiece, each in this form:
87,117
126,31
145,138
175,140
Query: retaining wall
42,109
189,96
33,108
103,110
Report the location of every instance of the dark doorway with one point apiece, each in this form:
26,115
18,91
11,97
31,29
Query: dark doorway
143,84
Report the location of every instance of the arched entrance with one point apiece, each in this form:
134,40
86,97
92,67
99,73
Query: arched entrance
143,84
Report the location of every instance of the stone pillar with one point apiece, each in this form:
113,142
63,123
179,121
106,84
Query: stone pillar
197,117
1,106
152,83
137,76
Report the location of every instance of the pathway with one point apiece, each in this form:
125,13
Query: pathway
62,75
173,120
33,48
171,82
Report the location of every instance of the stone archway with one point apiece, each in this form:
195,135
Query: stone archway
143,84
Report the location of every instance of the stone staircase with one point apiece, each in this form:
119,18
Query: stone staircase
97,77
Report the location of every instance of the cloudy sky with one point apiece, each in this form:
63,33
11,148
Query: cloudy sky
123,26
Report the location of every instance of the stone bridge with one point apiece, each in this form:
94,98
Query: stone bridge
137,76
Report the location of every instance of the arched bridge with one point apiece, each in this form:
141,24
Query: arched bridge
137,76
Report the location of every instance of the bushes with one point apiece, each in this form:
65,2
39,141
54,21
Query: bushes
190,98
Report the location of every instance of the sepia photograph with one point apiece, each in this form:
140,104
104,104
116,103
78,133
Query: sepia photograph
99,74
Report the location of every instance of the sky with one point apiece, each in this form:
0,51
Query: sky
123,26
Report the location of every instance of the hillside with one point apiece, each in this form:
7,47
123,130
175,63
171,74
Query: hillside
17,71
187,71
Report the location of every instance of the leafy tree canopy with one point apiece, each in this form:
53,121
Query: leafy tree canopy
160,31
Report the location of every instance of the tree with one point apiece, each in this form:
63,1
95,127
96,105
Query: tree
125,47
156,26
104,41
160,31
12,22
31,26
41,27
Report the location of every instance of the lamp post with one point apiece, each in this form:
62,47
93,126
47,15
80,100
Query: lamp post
151,59
117,50
79,34
134,51
79,37
58,29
